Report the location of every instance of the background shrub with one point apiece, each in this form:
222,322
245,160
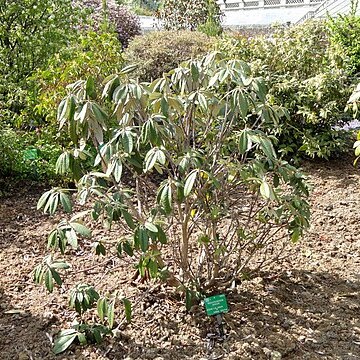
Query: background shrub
160,51
345,41
125,23
304,78
28,155
93,54
188,14
29,36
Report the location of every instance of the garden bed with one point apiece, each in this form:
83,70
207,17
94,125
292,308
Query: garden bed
305,308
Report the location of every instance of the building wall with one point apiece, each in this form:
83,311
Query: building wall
265,12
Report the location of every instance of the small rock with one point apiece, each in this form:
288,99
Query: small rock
275,355
329,208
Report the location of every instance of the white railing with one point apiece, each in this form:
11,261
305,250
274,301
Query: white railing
231,5
329,7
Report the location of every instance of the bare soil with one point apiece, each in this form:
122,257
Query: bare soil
308,307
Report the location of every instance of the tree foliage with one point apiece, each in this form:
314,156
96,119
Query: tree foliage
30,33
189,14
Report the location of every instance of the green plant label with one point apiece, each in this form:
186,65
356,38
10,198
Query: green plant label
31,154
216,305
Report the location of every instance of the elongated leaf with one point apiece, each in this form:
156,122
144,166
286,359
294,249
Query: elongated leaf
111,314
60,265
54,203
81,229
128,310
101,308
64,340
43,199
128,69
166,199
143,239
161,235
49,283
90,87
65,202
128,218
151,227
161,157
189,182
127,142
243,142
56,276
128,248
72,238
268,148
150,159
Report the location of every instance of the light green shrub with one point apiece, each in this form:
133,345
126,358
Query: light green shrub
158,52
303,77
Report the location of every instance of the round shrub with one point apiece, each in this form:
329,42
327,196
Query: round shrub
160,51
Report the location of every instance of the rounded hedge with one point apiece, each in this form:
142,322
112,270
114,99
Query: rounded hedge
160,51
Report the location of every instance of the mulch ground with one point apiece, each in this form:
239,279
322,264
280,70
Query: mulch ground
308,307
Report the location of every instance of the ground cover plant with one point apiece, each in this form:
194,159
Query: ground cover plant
220,197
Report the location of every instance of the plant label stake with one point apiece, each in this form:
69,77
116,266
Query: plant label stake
217,306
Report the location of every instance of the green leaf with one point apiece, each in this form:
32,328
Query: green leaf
166,199
81,229
127,142
143,239
56,277
64,340
161,158
90,87
266,190
117,170
267,147
60,265
63,163
151,227
72,238
100,115
153,268
128,310
43,199
295,235
161,235
150,159
111,314
128,219
128,248
65,202
54,201
49,283
189,182
128,69
243,142
101,308
82,339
